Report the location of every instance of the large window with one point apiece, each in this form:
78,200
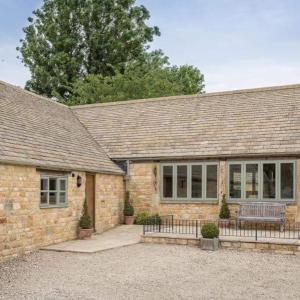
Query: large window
189,181
53,191
261,180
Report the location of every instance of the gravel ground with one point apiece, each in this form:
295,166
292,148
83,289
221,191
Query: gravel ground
146,271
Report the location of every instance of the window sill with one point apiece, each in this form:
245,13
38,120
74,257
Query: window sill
53,206
288,202
189,201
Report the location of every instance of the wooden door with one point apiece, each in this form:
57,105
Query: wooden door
90,196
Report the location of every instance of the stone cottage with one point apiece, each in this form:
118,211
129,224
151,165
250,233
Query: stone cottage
176,155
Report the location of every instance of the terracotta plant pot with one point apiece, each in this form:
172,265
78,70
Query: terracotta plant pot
129,220
85,234
224,223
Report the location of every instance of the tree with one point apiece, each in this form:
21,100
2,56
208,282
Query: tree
68,39
148,77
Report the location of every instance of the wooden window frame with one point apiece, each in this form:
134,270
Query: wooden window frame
57,191
260,164
189,182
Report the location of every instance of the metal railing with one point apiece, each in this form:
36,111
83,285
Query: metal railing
256,230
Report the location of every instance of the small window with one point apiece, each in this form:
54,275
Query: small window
197,181
53,191
211,181
168,181
287,181
235,181
269,180
182,181
251,182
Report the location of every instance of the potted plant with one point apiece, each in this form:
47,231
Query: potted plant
224,214
85,223
128,210
210,237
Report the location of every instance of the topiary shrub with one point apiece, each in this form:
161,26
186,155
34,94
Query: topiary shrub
85,221
210,231
128,208
224,211
141,218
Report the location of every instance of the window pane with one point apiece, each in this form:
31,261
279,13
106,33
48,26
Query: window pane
44,196
44,184
62,197
52,184
62,184
251,181
287,181
269,181
235,175
168,181
197,181
52,198
212,181
181,181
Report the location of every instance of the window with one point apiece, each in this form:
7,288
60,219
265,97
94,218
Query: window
189,181
262,180
235,181
168,181
53,191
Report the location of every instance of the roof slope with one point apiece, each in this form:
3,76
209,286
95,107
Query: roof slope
239,123
38,131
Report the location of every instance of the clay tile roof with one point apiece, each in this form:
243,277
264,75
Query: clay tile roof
37,131
254,122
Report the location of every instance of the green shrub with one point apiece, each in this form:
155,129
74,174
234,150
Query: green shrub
85,221
128,208
210,231
154,220
141,218
224,211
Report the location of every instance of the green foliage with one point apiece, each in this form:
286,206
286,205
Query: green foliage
68,39
145,217
85,221
141,218
210,231
128,208
149,77
224,211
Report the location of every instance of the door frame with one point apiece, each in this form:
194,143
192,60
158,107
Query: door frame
93,176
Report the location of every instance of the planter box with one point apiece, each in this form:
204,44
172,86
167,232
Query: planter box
85,234
209,244
129,220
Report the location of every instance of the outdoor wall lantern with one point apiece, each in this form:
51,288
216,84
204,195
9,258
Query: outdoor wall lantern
79,181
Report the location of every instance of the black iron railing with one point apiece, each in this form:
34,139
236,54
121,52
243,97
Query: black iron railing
256,230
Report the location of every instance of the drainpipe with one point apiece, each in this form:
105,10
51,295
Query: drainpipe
127,175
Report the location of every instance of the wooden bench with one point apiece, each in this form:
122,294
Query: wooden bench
261,212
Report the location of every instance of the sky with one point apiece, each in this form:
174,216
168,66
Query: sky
235,43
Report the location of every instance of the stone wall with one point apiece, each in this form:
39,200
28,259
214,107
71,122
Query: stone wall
25,227
144,186
109,201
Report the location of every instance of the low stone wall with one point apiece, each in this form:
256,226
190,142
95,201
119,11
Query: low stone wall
279,247
25,227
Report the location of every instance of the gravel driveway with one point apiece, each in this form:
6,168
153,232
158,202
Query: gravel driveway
146,271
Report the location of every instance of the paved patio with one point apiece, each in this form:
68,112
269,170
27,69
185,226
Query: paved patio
117,237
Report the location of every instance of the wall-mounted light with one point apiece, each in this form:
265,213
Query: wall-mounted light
79,181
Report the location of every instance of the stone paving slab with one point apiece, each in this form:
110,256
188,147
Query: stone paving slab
120,236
